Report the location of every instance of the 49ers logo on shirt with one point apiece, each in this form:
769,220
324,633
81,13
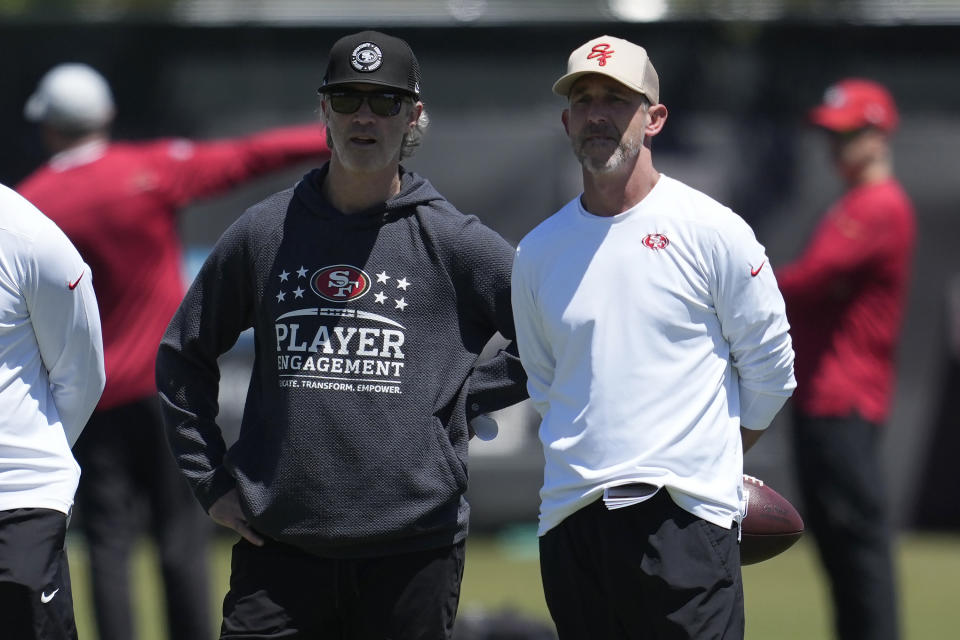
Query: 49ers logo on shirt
340,283
655,241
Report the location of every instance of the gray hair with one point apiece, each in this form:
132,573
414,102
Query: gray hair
413,139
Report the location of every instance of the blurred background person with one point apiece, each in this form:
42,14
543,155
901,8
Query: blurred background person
846,296
119,203
50,380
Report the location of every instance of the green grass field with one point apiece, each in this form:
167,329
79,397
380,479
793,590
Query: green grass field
785,596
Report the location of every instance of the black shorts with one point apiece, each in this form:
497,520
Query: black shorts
278,591
35,595
648,571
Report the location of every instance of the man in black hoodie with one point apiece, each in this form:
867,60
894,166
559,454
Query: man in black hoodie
370,297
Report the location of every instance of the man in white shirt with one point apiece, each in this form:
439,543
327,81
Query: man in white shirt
654,337
51,376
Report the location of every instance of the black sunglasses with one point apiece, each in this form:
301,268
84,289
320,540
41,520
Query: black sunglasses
382,104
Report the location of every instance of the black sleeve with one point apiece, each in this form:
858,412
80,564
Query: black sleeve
216,309
482,269
497,383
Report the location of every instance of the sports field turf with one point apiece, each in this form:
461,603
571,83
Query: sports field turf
785,599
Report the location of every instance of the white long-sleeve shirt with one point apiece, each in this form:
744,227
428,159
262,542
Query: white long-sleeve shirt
649,338
51,357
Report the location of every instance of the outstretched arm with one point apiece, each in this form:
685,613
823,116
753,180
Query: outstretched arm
197,169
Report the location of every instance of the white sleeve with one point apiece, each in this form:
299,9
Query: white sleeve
66,322
535,354
754,322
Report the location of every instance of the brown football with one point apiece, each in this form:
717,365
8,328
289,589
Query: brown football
771,524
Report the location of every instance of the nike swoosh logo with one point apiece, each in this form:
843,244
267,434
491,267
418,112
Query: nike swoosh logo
44,598
754,272
72,286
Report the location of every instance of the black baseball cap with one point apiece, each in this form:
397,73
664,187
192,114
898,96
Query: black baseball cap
374,58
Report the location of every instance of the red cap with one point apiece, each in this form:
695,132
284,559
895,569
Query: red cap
856,103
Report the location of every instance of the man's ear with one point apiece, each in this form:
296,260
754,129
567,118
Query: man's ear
322,110
415,114
565,119
656,118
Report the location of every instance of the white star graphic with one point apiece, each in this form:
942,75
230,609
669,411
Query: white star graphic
382,277
402,283
284,275
380,298
280,296
302,272
298,293
401,304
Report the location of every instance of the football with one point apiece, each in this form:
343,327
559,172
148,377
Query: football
771,524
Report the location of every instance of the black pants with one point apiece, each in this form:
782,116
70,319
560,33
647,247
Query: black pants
36,601
278,591
651,571
127,471
844,506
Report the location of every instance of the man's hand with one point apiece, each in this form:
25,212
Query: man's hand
226,511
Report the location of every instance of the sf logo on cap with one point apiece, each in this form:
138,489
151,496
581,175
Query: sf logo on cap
366,57
601,53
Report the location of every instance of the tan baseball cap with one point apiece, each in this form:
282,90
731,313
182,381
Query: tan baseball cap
619,59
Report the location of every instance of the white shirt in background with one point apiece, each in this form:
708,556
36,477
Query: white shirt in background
51,357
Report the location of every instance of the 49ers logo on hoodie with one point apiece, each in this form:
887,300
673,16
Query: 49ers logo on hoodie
354,348
340,283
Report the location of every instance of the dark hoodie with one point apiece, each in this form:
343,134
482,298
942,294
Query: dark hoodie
367,329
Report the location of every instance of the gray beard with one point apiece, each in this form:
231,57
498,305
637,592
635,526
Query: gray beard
350,162
625,152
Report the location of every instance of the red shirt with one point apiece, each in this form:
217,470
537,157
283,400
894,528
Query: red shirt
845,299
118,203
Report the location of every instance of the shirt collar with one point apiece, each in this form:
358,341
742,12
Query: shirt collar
80,155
